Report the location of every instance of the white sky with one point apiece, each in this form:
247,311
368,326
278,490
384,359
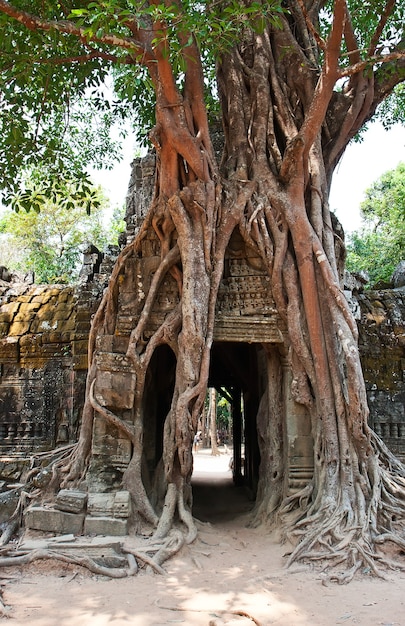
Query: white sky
360,166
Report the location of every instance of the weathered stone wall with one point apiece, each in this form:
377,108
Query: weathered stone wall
382,349
37,384
44,333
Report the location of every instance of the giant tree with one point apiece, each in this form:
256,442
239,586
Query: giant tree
296,81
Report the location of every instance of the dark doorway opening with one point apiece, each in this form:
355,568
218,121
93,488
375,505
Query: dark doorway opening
159,387
221,491
237,372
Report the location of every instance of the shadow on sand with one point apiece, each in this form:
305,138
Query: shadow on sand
215,497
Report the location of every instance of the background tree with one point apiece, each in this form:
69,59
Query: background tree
296,81
224,417
57,115
379,245
46,229
212,420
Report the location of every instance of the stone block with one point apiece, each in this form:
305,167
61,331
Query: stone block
4,327
9,310
115,388
18,328
105,526
100,504
31,341
26,311
5,317
117,504
121,455
46,312
80,347
80,362
63,311
114,362
9,349
54,521
81,329
122,504
112,344
71,501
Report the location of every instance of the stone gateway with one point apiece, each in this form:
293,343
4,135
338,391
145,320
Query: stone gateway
43,365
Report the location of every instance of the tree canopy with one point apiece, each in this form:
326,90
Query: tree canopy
379,245
57,58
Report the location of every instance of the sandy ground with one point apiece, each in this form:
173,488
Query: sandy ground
230,569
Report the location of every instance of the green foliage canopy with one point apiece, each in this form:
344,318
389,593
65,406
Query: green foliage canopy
55,112
49,241
56,57
54,108
380,244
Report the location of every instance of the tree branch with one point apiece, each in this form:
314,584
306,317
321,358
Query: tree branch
321,42
83,58
389,7
372,60
323,92
351,40
34,23
172,257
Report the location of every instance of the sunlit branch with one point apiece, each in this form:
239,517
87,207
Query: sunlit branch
83,58
327,80
321,43
373,60
351,40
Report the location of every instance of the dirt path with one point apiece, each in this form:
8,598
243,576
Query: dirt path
229,568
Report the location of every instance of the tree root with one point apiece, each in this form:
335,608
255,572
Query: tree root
166,548
174,497
40,479
162,550
83,561
173,544
238,612
141,556
354,552
12,526
390,537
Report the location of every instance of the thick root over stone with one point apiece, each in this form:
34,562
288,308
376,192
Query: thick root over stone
152,554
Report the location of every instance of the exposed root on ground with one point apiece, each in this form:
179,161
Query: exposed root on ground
130,560
4,610
340,561
41,478
343,535
216,612
83,561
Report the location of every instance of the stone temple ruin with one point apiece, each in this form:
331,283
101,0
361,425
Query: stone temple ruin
43,363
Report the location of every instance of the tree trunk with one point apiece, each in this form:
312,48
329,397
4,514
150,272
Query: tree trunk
212,412
288,219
